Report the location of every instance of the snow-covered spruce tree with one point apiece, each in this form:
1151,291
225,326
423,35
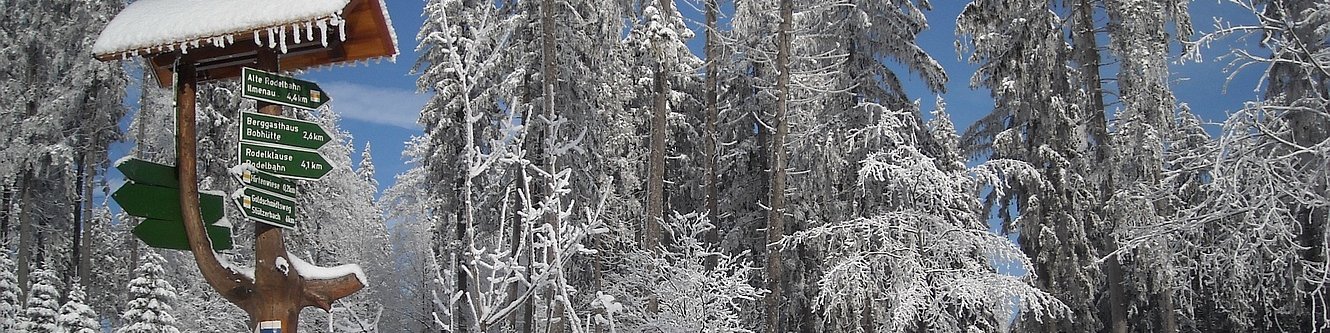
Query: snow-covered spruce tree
107,284
42,307
741,160
1188,162
1139,278
539,53
149,309
581,123
9,291
76,316
840,57
1036,119
926,261
663,70
365,170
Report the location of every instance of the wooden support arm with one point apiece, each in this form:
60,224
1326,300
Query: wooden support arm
233,286
322,293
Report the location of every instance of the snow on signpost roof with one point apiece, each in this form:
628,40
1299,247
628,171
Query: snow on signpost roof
164,25
222,36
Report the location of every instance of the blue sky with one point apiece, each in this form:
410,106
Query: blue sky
379,102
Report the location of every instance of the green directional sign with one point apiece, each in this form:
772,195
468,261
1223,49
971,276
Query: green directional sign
253,177
293,163
284,90
144,172
163,203
165,234
266,207
258,127
153,193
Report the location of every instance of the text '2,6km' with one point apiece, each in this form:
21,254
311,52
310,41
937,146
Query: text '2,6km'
257,127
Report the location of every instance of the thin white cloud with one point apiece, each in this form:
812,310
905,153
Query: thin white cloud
380,105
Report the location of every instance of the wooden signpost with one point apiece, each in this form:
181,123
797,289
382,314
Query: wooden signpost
184,57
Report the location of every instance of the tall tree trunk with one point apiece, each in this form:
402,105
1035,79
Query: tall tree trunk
25,230
462,319
656,174
7,200
76,237
85,260
1086,53
517,319
548,79
776,201
466,283
710,136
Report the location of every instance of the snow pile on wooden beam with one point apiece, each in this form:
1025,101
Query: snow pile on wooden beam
152,26
311,272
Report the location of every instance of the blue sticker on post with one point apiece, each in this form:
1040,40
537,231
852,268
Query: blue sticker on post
270,327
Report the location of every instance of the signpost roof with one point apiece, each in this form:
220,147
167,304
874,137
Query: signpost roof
221,36
150,24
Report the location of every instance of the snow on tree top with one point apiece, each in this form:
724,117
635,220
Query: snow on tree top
163,25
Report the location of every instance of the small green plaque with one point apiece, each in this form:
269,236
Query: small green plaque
266,207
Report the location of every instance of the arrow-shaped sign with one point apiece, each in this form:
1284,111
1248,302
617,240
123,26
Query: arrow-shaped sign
144,172
165,234
285,162
266,207
153,193
258,127
162,203
279,89
253,177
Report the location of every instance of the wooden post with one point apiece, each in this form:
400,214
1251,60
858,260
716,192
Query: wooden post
268,247
235,287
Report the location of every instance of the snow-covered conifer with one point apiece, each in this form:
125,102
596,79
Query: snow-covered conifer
76,316
928,260
366,168
43,304
149,309
9,291
1037,116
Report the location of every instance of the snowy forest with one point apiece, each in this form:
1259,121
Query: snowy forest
583,169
